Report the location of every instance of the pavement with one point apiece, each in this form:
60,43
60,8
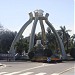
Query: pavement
0,64
70,72
35,68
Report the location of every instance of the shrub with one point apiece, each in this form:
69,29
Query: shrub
72,52
31,54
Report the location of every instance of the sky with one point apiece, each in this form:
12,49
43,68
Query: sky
14,13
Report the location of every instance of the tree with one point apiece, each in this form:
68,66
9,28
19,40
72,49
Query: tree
51,39
6,38
73,40
65,37
1,28
21,46
72,52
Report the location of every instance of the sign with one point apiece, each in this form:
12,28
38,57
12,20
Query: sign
48,59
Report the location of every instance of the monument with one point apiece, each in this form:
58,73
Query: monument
38,16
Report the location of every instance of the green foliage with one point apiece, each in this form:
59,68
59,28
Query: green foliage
6,38
65,37
72,52
73,40
52,42
31,54
48,52
21,46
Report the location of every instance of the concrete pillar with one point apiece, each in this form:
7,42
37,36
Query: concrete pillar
64,56
12,49
32,35
43,32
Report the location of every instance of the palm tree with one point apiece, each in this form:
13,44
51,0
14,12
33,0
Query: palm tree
65,36
22,46
52,41
72,52
73,40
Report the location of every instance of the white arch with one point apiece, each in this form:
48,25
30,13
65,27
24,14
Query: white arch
31,43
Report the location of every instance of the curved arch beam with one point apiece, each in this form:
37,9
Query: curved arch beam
43,32
64,56
32,35
17,37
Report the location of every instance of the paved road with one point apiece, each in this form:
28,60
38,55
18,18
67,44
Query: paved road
34,68
70,72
